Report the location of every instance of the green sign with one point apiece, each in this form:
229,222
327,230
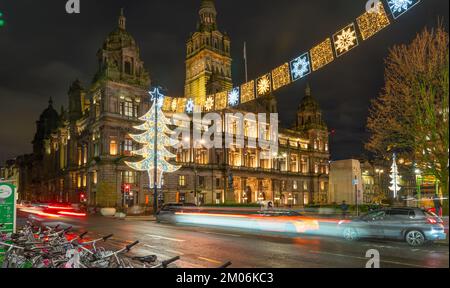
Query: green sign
2,22
8,207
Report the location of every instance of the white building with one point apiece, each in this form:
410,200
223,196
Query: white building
346,182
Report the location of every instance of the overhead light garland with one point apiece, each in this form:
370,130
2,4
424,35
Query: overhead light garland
369,23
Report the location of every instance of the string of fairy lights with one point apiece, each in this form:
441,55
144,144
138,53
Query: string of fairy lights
343,41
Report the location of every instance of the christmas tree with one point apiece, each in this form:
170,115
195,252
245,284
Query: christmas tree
151,138
395,178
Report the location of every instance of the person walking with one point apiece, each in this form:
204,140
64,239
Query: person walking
344,208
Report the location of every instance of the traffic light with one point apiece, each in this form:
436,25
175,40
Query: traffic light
82,197
2,21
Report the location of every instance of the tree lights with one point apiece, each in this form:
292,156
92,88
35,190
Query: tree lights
395,177
154,139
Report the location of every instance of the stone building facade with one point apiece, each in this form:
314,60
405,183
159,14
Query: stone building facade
79,154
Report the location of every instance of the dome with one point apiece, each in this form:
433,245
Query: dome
207,4
118,39
50,115
308,103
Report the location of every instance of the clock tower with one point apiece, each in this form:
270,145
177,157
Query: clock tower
208,60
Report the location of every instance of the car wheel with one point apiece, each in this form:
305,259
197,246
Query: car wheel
350,234
415,238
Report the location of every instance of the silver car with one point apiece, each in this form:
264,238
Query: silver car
413,225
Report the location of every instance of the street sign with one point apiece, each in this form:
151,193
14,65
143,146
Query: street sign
8,207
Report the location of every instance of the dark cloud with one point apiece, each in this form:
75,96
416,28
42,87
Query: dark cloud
43,49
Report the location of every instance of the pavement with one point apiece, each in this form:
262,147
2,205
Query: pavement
206,247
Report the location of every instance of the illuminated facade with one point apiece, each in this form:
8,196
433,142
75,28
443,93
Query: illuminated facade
83,155
208,61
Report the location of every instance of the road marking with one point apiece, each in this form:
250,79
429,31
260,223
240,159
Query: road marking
362,258
224,234
175,252
165,238
210,260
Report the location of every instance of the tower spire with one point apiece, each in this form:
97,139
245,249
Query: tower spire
208,14
122,20
308,89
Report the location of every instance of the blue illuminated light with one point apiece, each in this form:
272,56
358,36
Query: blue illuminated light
300,67
190,106
234,97
399,7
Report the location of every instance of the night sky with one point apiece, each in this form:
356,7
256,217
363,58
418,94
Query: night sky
43,50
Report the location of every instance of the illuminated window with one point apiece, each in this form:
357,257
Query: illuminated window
322,185
79,181
305,186
113,148
305,199
182,181
127,146
80,155
129,177
84,180
316,168
305,168
295,185
85,154
94,177
128,109
294,163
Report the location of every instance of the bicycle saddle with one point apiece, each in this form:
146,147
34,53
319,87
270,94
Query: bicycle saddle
146,259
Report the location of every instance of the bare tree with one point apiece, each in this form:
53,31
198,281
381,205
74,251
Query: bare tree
410,116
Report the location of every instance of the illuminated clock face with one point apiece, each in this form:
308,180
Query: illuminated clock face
5,192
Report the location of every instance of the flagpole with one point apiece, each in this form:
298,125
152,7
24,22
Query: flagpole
245,61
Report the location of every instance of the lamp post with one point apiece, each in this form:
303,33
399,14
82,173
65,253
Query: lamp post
418,183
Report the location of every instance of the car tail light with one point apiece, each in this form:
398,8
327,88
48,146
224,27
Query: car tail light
432,221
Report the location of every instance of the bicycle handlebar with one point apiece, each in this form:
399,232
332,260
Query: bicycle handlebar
128,247
225,265
167,262
107,237
83,234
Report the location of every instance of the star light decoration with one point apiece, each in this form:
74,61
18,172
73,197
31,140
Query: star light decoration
281,76
373,21
263,86
156,94
322,54
209,104
234,97
154,155
399,7
190,105
248,91
345,40
300,67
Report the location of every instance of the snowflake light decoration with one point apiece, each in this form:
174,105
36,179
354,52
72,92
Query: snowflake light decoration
399,7
300,67
190,106
345,40
209,104
155,94
234,97
263,85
